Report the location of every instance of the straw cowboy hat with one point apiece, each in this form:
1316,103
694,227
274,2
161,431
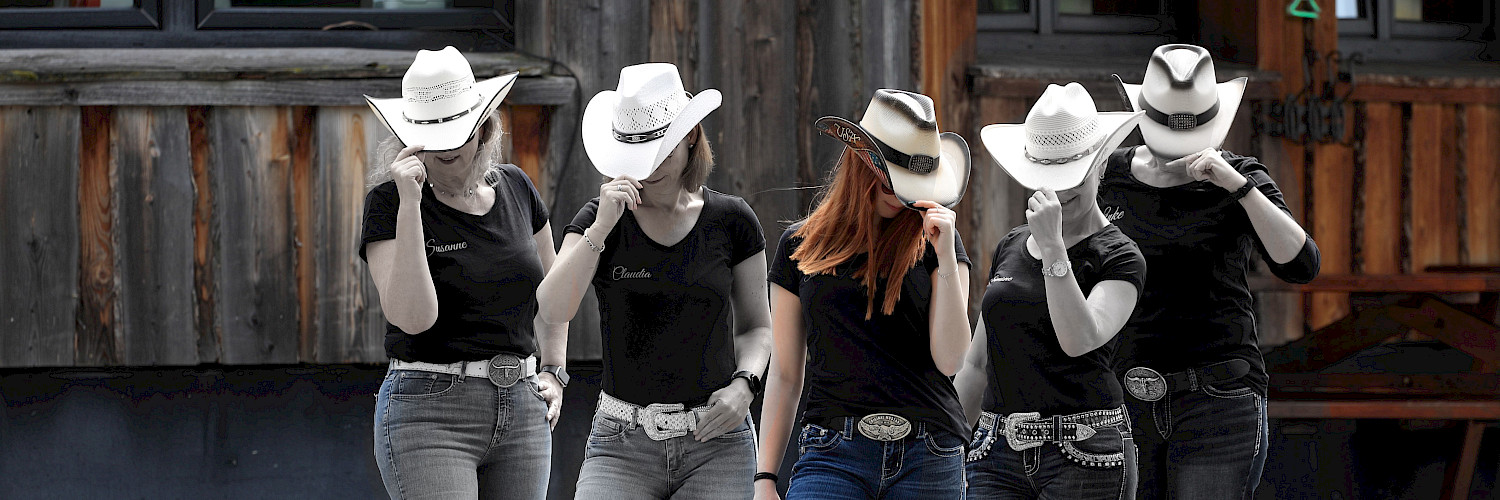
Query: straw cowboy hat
1062,140
1186,111
898,135
630,130
441,106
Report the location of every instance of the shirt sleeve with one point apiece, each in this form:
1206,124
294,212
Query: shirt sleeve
1302,268
1124,262
744,227
539,212
380,215
584,218
783,271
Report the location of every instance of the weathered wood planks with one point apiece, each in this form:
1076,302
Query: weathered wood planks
39,257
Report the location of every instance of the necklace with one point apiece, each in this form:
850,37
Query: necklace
467,194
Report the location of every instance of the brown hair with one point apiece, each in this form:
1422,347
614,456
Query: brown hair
845,224
700,161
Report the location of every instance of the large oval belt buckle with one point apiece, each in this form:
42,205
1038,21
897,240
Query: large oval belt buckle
884,426
505,369
1145,384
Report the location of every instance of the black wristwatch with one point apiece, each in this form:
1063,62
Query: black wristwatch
559,372
750,378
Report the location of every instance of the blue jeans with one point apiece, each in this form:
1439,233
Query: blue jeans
842,464
1052,471
1206,443
449,436
621,462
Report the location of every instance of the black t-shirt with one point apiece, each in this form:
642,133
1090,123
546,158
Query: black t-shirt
666,312
855,366
1197,308
484,268
1028,369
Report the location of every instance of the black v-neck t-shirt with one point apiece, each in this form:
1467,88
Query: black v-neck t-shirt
856,366
666,311
484,268
1028,370
1197,308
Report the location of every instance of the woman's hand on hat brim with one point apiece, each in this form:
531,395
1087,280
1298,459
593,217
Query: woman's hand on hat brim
1209,165
409,173
1044,215
619,194
937,225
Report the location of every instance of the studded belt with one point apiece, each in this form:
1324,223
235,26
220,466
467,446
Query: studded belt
1023,431
660,420
1150,385
505,369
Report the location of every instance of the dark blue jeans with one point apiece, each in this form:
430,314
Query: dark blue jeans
1051,470
1206,443
842,464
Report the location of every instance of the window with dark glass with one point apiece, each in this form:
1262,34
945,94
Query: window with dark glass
1416,29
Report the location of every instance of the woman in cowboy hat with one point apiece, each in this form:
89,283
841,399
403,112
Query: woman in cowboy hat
457,243
870,301
1190,359
1060,288
679,270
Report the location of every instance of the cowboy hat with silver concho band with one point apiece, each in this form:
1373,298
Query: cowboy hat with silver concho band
898,136
441,106
1063,139
630,130
1186,111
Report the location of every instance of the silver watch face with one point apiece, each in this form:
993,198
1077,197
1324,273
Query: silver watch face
1059,268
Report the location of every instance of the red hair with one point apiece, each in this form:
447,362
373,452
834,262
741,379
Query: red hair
845,224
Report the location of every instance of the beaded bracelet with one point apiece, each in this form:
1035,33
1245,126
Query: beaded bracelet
592,246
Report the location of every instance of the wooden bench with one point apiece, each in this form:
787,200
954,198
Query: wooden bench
1397,304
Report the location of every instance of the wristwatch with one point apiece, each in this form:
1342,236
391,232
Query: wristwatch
1058,268
750,378
559,372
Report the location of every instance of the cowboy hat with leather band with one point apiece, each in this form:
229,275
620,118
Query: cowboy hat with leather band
899,138
632,129
441,106
1063,139
1186,110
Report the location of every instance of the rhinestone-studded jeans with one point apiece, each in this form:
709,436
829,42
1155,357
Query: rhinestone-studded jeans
1096,468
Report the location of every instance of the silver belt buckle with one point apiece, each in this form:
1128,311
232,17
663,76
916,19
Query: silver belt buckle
1145,384
884,427
649,423
505,369
1013,438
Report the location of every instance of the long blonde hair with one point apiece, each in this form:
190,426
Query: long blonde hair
491,133
845,224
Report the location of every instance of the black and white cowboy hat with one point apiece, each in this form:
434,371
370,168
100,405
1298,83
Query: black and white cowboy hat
1063,139
1186,110
898,136
630,130
441,106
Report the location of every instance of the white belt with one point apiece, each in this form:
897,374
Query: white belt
660,420
479,369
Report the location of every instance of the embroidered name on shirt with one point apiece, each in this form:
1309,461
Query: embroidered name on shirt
621,273
1113,214
433,247
1001,279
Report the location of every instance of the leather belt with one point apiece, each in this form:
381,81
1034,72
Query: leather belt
1024,431
504,369
1147,384
660,420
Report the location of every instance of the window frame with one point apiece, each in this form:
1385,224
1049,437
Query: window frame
1042,28
1380,37
197,23
145,15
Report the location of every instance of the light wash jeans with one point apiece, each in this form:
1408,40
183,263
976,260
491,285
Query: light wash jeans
440,436
621,462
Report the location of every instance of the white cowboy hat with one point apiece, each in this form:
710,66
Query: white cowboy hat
441,106
630,130
1186,111
1062,140
898,136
